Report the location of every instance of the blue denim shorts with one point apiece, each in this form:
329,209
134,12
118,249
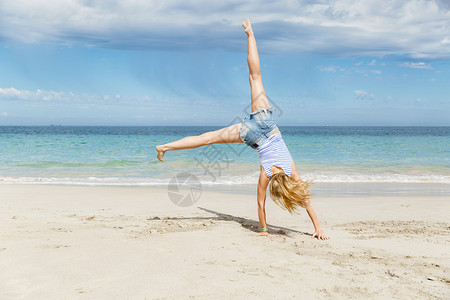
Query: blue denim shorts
258,127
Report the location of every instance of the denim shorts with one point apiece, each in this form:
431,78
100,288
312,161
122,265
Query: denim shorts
258,127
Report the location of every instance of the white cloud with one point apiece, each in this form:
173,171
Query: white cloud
417,65
86,100
332,69
417,28
4,114
356,70
13,93
362,94
38,95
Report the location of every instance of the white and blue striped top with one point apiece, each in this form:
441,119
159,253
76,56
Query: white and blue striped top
274,152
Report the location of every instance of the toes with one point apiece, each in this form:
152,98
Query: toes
160,154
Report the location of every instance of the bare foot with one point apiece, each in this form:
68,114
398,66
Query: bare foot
160,153
263,233
248,27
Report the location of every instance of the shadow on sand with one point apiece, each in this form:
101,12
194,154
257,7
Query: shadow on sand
251,225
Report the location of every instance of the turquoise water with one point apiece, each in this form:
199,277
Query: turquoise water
126,155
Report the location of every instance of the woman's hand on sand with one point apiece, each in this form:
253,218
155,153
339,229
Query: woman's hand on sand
263,233
320,235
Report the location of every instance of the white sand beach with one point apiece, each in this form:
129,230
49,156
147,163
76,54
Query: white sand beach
70,242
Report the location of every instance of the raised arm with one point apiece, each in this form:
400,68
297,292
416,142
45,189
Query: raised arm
261,197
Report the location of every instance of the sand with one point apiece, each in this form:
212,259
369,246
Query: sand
70,242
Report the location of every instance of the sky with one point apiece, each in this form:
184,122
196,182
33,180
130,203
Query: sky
183,62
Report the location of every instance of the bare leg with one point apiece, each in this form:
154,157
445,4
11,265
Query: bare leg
228,135
259,98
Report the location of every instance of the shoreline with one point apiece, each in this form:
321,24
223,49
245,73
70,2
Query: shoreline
322,189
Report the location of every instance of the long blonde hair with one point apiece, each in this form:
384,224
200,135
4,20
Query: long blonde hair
288,193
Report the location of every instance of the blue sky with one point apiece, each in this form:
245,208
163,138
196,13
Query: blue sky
184,62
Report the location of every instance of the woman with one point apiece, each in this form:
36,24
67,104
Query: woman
260,132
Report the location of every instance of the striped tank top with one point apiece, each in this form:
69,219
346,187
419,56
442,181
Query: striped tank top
274,152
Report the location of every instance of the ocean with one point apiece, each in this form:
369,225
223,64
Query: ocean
96,155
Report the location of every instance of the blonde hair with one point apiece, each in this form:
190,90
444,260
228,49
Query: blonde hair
288,193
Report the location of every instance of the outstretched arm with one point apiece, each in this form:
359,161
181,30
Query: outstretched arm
309,209
318,230
262,188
